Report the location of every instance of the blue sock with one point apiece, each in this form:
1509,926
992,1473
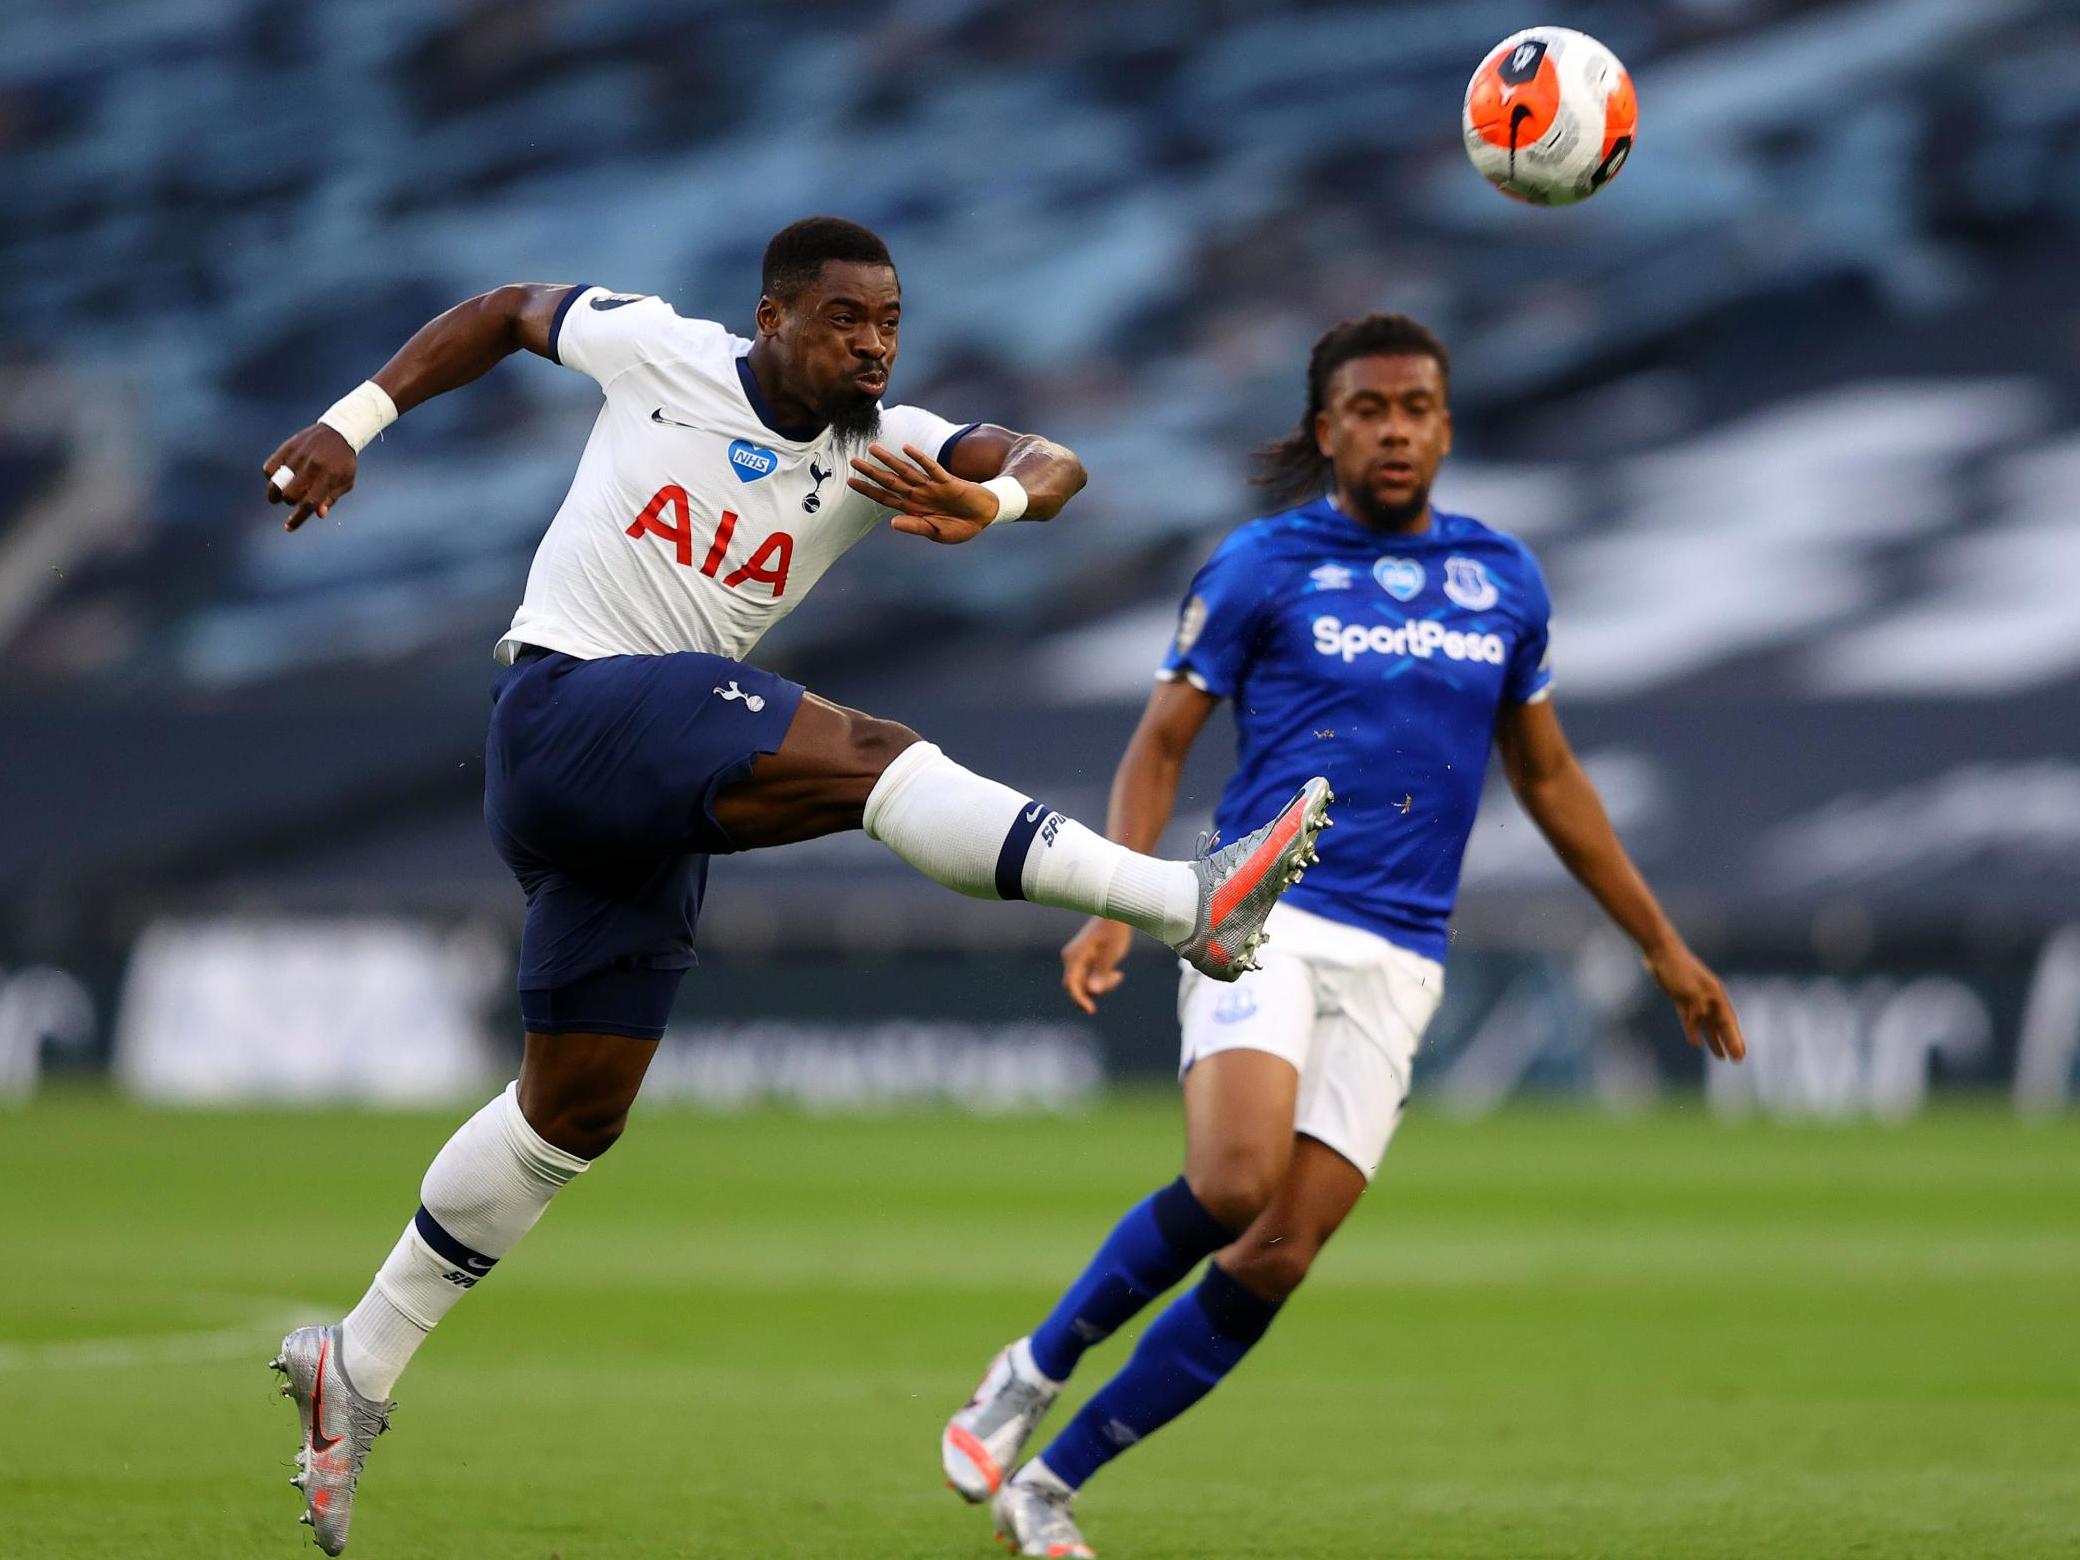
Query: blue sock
1160,1240
1186,1351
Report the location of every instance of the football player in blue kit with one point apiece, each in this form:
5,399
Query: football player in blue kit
1367,636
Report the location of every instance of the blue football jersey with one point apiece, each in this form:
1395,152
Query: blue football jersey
1380,661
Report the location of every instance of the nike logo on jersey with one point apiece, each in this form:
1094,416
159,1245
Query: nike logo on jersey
658,416
616,300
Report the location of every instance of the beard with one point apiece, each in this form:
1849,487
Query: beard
1384,516
853,416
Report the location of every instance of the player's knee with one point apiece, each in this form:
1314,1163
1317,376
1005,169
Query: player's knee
586,1133
584,1123
1273,1267
1235,1187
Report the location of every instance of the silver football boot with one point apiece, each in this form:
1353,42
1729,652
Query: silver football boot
1239,883
339,1426
984,1439
1039,1519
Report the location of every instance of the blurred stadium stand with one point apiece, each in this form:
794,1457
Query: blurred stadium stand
1792,417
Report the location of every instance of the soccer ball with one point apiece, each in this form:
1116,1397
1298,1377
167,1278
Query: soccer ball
1549,116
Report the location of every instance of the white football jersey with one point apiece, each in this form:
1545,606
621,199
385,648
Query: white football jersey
692,523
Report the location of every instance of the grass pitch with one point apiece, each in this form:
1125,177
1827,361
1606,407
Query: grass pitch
1541,1335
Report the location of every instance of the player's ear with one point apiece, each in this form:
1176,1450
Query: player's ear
1321,436
1447,433
768,315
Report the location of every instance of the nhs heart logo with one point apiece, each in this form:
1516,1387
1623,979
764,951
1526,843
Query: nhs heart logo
751,461
1401,578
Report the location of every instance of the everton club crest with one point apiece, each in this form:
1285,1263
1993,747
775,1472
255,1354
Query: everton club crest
1467,583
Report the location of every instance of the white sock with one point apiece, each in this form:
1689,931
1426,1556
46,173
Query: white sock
1026,1368
484,1190
1037,1472
985,840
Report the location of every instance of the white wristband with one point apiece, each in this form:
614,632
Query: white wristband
1011,497
361,414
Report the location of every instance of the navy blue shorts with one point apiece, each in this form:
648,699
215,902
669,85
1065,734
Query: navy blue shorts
600,780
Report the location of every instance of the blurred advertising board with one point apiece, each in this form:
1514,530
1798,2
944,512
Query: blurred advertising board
398,1010
367,1009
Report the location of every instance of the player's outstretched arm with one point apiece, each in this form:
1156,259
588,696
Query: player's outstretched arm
1557,793
990,469
1144,794
445,354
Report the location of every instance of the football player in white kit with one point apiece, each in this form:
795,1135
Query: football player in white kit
630,741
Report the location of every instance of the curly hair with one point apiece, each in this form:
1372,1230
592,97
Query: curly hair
1293,469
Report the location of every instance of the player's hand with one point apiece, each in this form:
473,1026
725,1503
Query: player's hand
928,499
1701,1002
1091,959
324,465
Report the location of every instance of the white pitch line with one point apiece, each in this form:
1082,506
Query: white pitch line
256,1337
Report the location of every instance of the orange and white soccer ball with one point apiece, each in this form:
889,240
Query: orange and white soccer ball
1550,116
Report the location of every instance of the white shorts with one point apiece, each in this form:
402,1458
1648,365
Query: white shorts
1346,1007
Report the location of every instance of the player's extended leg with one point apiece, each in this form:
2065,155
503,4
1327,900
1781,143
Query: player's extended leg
1200,1337
485,1189
839,769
